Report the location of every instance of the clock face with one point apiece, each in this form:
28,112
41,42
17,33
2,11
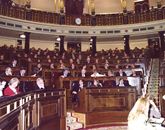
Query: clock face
78,21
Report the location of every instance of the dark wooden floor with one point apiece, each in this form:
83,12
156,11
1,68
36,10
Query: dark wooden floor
51,124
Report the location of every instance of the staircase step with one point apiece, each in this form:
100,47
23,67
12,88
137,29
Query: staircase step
70,120
75,125
73,121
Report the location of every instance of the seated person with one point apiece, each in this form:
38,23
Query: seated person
8,72
121,73
89,83
83,71
138,116
37,71
110,73
153,110
122,83
76,87
96,83
133,73
52,66
96,74
22,72
12,89
66,73
40,83
14,63
2,86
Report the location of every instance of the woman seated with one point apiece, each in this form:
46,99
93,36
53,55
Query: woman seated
138,118
12,89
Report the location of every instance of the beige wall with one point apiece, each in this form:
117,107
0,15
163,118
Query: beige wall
140,43
42,44
109,45
8,41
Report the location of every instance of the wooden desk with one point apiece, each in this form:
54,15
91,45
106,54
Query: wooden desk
105,105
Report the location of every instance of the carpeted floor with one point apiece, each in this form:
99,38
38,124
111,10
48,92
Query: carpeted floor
108,128
111,128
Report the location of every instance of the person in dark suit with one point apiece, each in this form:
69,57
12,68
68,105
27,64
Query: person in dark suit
7,72
123,83
121,73
76,87
37,71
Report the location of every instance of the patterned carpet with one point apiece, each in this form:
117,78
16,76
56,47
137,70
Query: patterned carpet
108,128
111,128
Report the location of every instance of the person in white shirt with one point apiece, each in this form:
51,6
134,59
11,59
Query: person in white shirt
96,74
83,71
164,97
2,86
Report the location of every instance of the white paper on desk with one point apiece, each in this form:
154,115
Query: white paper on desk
134,81
156,120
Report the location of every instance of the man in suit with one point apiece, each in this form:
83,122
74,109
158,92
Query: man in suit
76,87
121,73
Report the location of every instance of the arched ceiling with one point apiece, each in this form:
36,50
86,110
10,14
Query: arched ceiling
101,6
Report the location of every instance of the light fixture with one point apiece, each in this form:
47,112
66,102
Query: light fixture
58,39
22,36
91,40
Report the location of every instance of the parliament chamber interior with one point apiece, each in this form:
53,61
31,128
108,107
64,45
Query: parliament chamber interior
81,64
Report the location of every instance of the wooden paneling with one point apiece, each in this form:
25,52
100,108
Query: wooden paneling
37,110
109,104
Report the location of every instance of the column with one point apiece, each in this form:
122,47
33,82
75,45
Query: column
93,15
61,44
62,14
27,42
93,44
126,44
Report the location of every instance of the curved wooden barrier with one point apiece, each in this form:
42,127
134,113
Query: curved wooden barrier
38,110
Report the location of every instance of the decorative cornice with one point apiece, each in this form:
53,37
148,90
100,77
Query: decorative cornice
82,31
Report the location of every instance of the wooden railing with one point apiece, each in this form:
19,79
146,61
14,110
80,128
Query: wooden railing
101,20
39,110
